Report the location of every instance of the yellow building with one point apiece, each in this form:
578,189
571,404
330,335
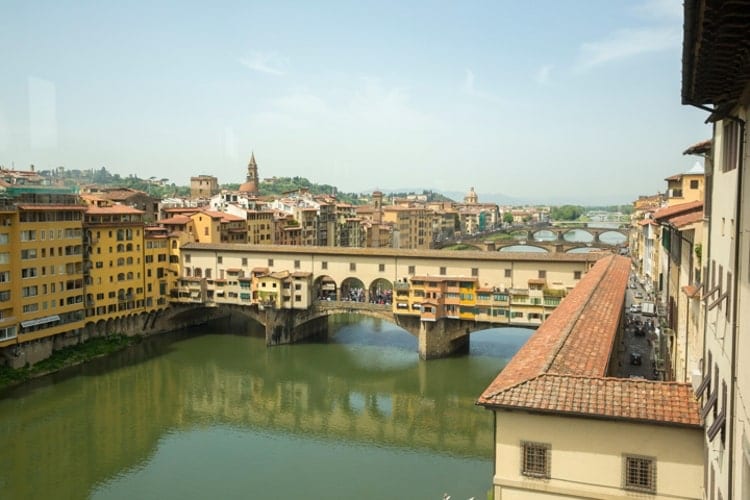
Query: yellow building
684,188
115,267
412,226
41,272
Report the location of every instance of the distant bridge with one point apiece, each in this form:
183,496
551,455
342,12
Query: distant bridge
534,236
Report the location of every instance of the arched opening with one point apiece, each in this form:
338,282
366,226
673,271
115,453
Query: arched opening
324,288
381,291
198,272
612,238
578,236
352,289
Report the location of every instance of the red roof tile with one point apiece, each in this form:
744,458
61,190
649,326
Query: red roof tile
563,366
666,212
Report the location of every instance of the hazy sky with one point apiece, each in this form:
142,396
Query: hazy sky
559,99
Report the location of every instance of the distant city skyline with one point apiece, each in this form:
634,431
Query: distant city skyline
575,101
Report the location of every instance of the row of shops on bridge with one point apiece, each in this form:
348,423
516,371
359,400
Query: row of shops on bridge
431,298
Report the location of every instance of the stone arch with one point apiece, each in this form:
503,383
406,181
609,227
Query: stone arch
616,237
567,235
542,235
381,291
101,327
324,288
109,327
90,329
353,289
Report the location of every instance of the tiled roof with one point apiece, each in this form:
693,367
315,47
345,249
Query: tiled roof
646,222
608,397
680,221
177,219
113,210
702,147
666,212
563,367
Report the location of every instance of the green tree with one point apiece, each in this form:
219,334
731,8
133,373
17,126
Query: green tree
508,218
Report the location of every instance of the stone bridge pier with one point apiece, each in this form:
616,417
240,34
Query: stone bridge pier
288,326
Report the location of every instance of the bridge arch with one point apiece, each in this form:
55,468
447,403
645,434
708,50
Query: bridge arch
615,237
568,234
504,248
381,291
353,289
325,288
541,235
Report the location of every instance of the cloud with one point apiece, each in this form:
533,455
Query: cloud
543,74
265,62
627,43
469,88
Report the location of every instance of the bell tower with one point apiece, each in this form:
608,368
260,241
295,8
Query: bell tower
251,179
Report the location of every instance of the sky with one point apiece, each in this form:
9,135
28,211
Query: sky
547,101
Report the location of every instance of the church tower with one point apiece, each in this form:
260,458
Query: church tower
250,186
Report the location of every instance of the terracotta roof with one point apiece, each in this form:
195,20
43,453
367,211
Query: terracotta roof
177,219
301,274
681,221
646,222
703,147
113,210
666,212
259,270
607,397
537,281
563,367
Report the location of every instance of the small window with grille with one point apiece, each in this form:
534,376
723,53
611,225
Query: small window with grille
639,473
535,459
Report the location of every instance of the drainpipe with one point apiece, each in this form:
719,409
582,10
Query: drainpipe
735,327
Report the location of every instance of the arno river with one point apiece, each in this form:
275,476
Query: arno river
213,413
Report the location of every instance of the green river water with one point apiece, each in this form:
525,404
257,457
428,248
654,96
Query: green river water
211,413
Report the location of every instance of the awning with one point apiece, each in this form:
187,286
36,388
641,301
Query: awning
40,321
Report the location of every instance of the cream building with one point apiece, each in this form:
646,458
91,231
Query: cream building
716,78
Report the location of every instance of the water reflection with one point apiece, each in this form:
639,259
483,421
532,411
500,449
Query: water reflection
204,413
523,248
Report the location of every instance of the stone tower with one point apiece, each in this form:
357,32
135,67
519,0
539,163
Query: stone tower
250,186
377,212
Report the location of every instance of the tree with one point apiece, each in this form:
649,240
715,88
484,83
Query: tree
508,218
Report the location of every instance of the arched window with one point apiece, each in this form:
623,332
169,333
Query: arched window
188,272
120,247
129,247
121,277
198,273
120,261
130,260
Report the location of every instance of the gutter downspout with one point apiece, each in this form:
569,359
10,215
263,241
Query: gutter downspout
735,327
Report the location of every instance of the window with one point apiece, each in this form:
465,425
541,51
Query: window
535,459
296,264
297,286
298,298
270,262
442,270
475,271
352,266
694,184
220,259
508,273
412,269
576,275
187,258
639,473
244,261
542,274
381,268
324,265
730,145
